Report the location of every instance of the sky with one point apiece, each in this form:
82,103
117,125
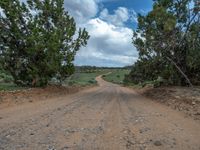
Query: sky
110,24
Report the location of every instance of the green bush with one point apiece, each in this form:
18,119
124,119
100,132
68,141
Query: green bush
92,81
6,78
70,83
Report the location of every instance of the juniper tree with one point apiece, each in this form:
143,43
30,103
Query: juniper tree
167,39
39,40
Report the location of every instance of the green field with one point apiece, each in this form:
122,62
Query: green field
80,79
84,79
116,76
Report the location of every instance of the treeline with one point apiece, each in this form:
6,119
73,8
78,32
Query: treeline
90,69
168,42
38,41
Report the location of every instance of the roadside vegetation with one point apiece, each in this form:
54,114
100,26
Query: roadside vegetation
6,82
116,75
168,43
84,78
85,75
10,87
36,47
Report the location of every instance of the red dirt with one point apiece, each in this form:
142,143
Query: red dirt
183,99
107,117
10,98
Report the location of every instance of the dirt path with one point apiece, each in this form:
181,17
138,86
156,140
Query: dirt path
108,117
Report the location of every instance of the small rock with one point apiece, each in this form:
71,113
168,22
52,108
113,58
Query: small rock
187,109
125,132
32,134
51,148
144,130
8,136
157,143
177,97
1,118
198,113
193,103
64,148
142,147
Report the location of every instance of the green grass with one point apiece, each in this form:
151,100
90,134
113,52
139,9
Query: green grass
9,87
79,79
116,76
84,79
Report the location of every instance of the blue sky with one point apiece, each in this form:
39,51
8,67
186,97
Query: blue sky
139,6
110,24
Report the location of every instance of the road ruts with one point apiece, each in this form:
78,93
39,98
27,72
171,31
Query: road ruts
107,117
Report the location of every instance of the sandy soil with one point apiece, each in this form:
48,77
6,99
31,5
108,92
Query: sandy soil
107,117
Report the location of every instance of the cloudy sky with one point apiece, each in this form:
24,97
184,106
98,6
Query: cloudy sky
110,24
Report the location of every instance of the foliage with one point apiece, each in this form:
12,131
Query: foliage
168,42
116,76
6,78
84,79
38,41
10,87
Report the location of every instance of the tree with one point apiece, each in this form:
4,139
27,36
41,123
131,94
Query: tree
39,41
169,36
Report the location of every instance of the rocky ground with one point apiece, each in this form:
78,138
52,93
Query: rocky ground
183,99
107,117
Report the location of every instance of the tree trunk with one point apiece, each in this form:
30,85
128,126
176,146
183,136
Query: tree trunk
179,69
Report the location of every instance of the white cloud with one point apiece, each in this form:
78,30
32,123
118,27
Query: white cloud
110,42
109,45
120,16
133,15
82,10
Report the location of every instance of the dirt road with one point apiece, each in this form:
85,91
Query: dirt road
107,117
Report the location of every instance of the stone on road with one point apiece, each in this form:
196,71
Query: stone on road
107,117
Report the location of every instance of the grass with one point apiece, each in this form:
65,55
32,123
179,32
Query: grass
80,79
77,79
9,87
84,79
116,76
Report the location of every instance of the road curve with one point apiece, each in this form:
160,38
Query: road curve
107,117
